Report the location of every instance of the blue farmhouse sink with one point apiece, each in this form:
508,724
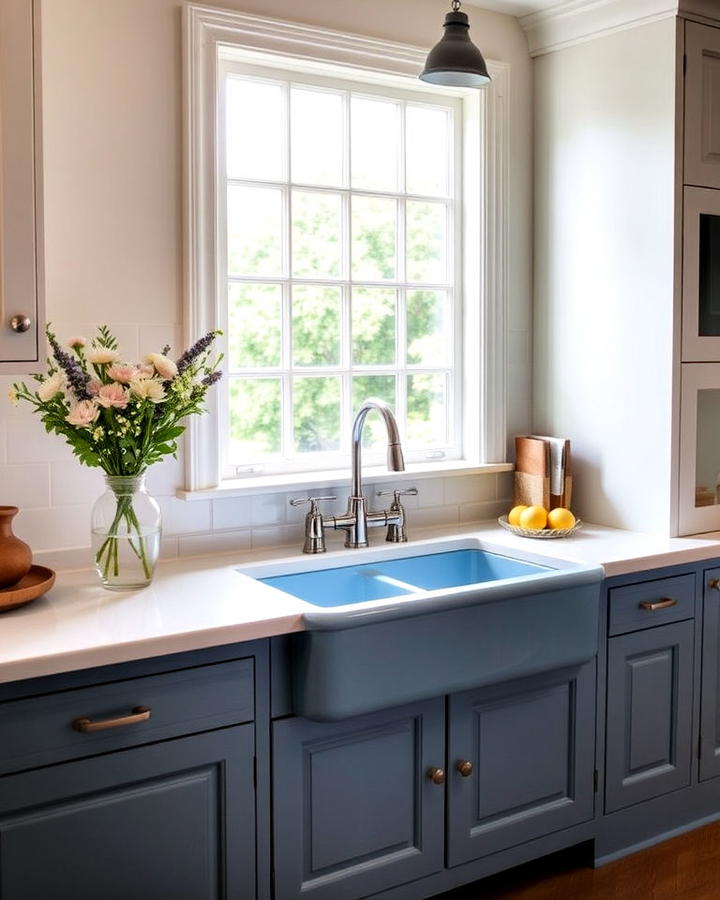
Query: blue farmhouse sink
393,625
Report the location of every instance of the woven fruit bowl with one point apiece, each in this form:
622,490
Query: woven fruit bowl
542,533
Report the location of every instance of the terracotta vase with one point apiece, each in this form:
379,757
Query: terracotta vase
15,555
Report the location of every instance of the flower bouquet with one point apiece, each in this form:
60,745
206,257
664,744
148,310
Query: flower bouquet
121,417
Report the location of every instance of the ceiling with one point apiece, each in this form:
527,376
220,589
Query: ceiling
514,7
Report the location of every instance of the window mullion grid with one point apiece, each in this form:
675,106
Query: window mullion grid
401,307
286,428
346,410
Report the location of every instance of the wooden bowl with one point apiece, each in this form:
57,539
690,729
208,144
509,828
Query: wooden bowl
37,582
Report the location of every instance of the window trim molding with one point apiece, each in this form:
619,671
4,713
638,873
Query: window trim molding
487,137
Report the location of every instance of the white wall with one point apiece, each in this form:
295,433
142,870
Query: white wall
603,351
113,200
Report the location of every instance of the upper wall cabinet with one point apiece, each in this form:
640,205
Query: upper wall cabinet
701,275
702,105
21,258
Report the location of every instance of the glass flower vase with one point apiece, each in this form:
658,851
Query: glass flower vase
125,533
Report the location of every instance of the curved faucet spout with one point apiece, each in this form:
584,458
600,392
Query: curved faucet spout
396,463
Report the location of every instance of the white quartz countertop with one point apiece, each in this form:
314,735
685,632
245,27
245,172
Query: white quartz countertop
204,602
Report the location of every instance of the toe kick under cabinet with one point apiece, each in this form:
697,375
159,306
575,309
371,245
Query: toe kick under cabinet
137,788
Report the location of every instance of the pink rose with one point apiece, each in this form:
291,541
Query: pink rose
83,413
122,373
113,395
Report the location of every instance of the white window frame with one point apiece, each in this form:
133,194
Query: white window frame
486,154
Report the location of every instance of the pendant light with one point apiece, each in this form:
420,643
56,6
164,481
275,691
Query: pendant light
455,61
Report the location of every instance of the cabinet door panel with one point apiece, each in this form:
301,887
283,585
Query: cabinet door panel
710,694
702,105
175,819
649,714
355,812
531,746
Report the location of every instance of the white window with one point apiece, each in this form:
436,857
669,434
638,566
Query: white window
335,225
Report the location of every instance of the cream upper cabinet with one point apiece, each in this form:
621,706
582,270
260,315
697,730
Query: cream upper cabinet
702,105
21,257
701,275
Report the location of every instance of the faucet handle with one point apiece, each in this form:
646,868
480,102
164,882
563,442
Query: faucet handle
396,494
314,528
313,501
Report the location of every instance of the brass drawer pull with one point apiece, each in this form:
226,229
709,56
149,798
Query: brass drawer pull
651,606
87,726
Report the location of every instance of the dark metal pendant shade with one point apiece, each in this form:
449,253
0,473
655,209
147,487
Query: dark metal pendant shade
455,60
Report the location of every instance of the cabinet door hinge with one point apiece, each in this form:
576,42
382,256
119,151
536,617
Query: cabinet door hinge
595,781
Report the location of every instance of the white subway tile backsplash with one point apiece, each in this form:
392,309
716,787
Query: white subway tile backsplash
26,486
206,544
268,509
505,481
271,536
469,488
433,515
478,512
235,512
72,483
180,517
27,441
165,477
54,528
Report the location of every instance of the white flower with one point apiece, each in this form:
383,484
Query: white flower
163,365
76,342
148,389
13,395
100,356
51,386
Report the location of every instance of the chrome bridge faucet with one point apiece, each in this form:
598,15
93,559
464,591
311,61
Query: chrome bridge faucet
357,519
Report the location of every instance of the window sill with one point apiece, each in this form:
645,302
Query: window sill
272,484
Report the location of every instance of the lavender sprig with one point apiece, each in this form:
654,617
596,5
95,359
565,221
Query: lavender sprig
192,353
77,378
211,379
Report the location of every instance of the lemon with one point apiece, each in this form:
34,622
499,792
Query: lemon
514,515
533,518
560,518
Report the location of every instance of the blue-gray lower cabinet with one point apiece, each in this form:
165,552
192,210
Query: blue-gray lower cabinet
173,819
355,808
710,693
529,744
649,714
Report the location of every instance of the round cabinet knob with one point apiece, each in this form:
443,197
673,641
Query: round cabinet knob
714,584
20,324
437,776
464,767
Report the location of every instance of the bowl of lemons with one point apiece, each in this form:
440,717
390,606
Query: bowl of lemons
538,522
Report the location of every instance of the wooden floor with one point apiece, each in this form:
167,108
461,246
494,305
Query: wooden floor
685,868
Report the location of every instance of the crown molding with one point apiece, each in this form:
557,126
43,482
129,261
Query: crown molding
577,21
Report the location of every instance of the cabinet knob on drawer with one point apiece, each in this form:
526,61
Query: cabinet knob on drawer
437,776
19,324
652,605
714,583
464,767
138,714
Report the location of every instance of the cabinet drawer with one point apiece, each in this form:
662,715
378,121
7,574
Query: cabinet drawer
651,603
41,730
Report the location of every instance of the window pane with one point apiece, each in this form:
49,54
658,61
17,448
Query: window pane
427,139
375,162
426,242
254,225
254,320
316,234
255,415
316,321
317,137
258,151
374,238
427,410
316,414
428,328
373,326
382,386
